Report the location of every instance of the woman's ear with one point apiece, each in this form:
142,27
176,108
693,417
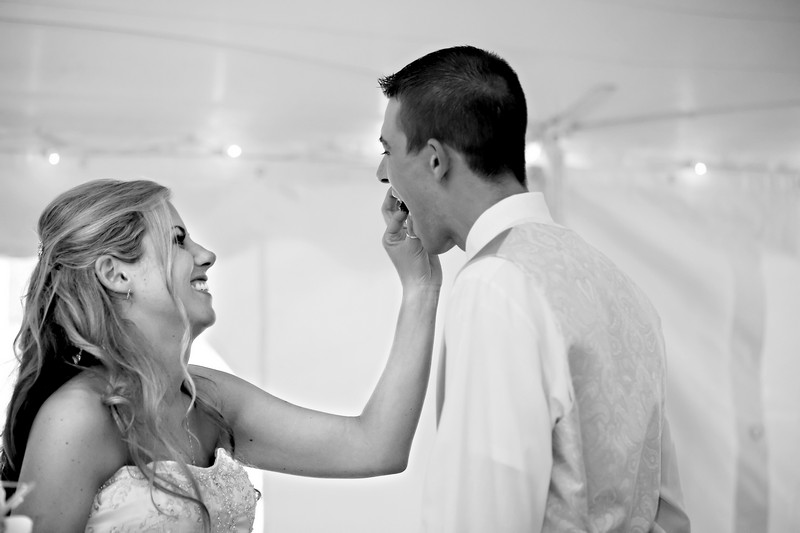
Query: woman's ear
439,160
109,271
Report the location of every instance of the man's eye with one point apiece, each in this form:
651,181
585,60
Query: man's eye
385,152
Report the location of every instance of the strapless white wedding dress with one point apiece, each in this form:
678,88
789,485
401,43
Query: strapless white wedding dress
125,502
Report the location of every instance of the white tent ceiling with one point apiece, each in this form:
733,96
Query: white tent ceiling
161,88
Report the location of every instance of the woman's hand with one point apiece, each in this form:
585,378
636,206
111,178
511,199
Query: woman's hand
414,265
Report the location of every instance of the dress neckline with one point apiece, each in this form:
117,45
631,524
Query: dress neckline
219,451
220,455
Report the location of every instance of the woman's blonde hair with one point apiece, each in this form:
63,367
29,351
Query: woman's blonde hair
72,323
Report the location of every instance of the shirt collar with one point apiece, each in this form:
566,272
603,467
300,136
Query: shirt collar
508,212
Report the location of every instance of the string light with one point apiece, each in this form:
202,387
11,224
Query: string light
533,153
700,168
234,151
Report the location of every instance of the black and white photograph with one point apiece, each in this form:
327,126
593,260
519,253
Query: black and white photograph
418,267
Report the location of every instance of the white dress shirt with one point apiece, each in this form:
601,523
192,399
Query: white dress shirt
503,383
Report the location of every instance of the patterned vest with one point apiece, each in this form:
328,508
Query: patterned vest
607,449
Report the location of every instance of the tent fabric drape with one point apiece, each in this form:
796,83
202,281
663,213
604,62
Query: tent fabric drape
726,290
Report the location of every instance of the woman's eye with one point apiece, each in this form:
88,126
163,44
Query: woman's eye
179,239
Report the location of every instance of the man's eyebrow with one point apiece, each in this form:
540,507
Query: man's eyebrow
383,141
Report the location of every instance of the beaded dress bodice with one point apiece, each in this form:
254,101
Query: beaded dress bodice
125,503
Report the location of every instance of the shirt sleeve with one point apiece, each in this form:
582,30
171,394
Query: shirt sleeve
506,384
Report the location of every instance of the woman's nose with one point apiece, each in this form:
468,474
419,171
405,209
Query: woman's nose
205,257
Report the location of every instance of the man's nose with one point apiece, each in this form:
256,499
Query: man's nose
381,172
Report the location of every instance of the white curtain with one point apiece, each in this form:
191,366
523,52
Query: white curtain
718,255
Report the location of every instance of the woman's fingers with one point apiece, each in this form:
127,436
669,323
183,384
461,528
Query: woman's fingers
394,218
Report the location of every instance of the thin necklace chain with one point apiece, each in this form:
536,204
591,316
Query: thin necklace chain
191,438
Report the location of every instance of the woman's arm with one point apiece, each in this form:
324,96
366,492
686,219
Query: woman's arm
275,435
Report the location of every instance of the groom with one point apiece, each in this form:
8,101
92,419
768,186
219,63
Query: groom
552,373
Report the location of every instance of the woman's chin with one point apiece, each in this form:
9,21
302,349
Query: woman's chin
199,326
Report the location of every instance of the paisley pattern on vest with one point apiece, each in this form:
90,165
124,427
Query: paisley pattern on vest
607,449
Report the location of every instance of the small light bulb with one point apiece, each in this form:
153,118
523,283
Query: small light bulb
533,152
53,158
234,151
700,169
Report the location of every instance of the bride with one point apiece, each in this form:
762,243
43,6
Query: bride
113,427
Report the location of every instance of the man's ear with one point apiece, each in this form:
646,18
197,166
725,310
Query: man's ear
109,271
439,159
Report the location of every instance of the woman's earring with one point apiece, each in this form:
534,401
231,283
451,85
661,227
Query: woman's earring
128,297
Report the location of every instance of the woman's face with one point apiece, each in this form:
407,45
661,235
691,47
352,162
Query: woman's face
150,300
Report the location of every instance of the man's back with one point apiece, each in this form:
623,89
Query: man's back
607,447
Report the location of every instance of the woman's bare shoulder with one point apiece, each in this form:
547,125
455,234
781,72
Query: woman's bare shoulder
72,449
84,391
75,422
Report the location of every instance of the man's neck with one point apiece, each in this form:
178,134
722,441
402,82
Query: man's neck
472,196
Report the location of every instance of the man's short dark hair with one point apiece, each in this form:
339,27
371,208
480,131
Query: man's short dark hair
467,98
